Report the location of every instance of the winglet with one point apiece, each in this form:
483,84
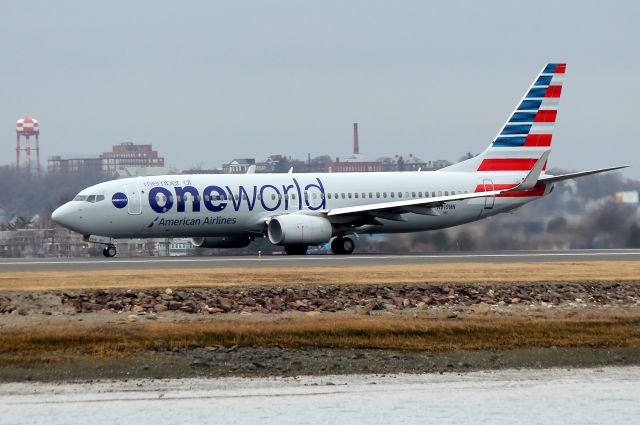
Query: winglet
531,179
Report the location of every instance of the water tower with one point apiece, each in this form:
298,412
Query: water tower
27,127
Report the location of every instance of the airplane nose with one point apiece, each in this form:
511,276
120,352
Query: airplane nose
61,215
55,215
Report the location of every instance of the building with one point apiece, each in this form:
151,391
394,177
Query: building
74,164
353,166
125,156
238,166
130,155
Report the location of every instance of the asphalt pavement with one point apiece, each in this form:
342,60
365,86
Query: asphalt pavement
44,264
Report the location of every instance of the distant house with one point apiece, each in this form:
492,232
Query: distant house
238,166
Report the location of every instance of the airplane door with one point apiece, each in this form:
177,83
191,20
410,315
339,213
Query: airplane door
135,203
489,201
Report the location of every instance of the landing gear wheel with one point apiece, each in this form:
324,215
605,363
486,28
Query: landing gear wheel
295,249
342,246
109,251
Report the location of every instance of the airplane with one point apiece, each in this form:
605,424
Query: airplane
298,210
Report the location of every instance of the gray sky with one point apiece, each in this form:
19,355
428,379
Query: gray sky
207,81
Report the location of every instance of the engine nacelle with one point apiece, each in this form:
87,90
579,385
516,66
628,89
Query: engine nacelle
299,229
221,242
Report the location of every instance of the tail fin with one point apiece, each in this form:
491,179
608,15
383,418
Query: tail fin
527,134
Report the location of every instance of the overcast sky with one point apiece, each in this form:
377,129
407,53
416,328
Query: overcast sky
208,81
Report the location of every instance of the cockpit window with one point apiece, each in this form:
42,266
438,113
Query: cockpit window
89,198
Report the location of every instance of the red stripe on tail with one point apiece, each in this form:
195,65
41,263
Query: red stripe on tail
553,91
545,116
538,140
507,164
538,190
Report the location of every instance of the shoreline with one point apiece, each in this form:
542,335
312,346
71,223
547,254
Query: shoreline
275,362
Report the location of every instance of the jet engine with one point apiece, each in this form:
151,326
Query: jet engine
221,242
299,229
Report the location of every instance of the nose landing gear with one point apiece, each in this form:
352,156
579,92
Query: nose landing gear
342,246
109,251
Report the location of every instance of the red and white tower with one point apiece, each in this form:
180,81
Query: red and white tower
27,127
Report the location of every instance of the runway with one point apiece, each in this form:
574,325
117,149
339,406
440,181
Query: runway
270,261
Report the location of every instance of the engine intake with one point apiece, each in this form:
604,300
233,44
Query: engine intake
222,242
299,229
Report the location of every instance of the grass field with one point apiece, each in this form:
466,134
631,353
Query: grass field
621,271
47,343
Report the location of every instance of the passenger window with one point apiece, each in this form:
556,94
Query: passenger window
446,193
433,194
244,196
439,193
273,196
342,195
293,196
384,194
377,194
349,194
329,195
356,195
419,194
259,197
335,195
370,195
391,194
314,195
206,197
406,194
413,194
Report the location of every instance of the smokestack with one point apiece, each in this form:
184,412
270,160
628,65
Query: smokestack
356,146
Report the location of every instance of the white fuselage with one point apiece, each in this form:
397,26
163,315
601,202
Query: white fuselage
241,204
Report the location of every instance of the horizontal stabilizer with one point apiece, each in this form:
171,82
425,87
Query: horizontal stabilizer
552,179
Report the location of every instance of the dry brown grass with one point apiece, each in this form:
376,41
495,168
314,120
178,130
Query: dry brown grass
48,343
389,274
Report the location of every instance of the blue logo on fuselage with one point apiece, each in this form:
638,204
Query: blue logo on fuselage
215,198
119,200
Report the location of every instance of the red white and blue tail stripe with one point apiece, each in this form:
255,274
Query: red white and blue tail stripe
527,133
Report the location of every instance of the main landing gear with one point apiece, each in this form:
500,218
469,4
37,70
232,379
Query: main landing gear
109,251
342,246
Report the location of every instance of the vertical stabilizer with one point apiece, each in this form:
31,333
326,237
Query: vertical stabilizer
527,134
